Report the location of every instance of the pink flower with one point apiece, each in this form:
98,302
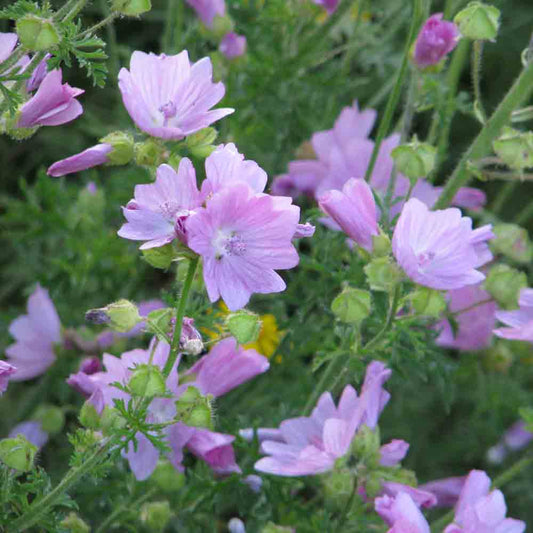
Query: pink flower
311,445
38,75
207,10
439,249
354,210
402,513
243,238
393,452
446,490
33,431
436,39
6,370
168,97
157,213
53,104
92,157
35,335
480,510
8,41
329,5
233,45
303,177
520,321
515,438
421,497
475,325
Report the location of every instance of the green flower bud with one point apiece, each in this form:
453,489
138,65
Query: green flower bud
51,417
121,315
338,485
194,409
499,357
504,283
131,8
167,478
17,453
147,381
352,305
122,144
74,524
36,33
513,242
202,151
160,257
89,416
428,302
274,528
203,137
381,246
382,274
111,420
221,26
150,153
155,516
415,159
159,320
478,21
515,148
365,446
244,326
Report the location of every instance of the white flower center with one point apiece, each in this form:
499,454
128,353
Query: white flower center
228,243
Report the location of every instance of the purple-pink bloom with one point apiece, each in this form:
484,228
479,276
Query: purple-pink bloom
233,45
393,453
514,439
8,42
520,321
243,238
6,370
38,75
436,39
474,322
35,335
311,445
168,97
421,497
480,510
329,5
92,157
439,249
354,209
402,513
157,212
207,10
53,104
32,431
446,490
90,365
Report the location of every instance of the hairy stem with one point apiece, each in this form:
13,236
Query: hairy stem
104,22
477,53
388,322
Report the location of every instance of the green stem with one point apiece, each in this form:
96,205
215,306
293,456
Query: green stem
112,46
110,18
349,502
76,8
394,97
167,39
524,215
503,196
12,59
41,506
388,322
64,9
180,313
477,52
520,90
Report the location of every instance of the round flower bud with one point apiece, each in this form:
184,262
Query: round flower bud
111,420
51,417
428,302
478,21
167,478
122,144
155,516
221,26
121,315
499,357
513,242
244,326
147,381
382,274
17,453
194,409
504,283
381,246
352,305
89,416
131,8
36,33
149,153
515,148
366,445
203,137
74,524
415,159
338,485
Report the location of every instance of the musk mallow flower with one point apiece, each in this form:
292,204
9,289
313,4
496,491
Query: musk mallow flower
8,42
310,445
207,10
515,438
89,158
168,97
436,40
232,45
243,238
329,5
402,513
481,510
6,370
439,249
446,490
354,210
35,334
519,321
32,431
53,104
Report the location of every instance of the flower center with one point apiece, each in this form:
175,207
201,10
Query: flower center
424,258
228,243
168,110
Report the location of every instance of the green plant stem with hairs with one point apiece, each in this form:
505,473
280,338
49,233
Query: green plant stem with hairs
481,145
477,54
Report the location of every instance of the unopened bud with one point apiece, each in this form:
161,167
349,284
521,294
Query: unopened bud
381,246
89,416
338,485
51,417
131,8
190,338
147,381
366,445
155,516
111,421
478,21
74,524
499,357
382,274
36,33
428,302
194,409
160,257
244,326
504,283
515,148
352,305
205,136
167,478
149,153
121,315
513,242
221,26
122,144
17,453
415,159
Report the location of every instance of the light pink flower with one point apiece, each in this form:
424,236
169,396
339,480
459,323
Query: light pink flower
35,335
92,157
207,10
53,104
439,249
421,497
474,326
311,445
402,513
8,41
158,211
515,438
329,5
243,238
233,45
520,321
393,452
436,39
446,490
354,209
32,431
38,75
168,97
6,370
480,510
